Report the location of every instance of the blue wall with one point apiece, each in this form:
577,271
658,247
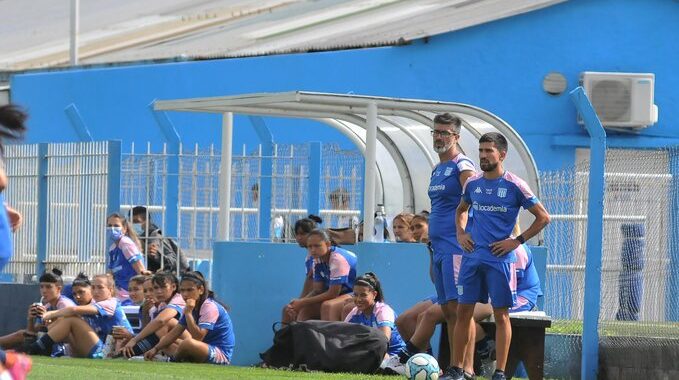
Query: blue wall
257,279
498,66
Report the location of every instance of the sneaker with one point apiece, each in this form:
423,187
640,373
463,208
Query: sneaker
138,358
499,376
469,376
393,366
488,353
21,367
453,373
161,358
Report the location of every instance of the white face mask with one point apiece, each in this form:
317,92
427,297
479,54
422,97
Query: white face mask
137,227
113,234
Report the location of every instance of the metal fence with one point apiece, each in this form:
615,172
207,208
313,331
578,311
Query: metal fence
63,192
147,180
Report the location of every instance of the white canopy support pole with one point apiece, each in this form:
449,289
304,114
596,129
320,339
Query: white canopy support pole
75,26
223,225
370,172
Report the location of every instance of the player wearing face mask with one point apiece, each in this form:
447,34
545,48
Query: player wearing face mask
124,256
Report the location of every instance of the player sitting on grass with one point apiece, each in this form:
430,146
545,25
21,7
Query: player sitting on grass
86,335
211,333
370,310
334,274
51,299
164,317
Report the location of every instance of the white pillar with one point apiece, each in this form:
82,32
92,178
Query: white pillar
75,26
370,172
223,225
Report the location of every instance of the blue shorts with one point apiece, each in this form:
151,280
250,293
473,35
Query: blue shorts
445,272
216,356
433,299
522,304
479,279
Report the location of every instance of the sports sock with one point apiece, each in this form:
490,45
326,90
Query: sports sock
42,346
145,344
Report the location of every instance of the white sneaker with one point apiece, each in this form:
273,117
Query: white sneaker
138,358
392,364
161,358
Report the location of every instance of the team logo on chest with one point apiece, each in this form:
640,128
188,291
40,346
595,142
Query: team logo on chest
448,172
501,192
489,191
478,190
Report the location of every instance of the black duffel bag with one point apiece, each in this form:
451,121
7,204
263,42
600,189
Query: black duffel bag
327,346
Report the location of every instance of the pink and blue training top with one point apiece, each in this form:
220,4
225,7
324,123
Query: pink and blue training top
110,313
121,256
214,318
445,192
6,246
495,204
382,316
176,303
62,302
527,281
339,270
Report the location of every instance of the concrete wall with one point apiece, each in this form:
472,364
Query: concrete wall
497,66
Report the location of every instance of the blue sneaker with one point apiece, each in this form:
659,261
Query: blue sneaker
499,375
453,373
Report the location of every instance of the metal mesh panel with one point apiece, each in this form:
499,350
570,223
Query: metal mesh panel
77,175
21,163
639,249
341,187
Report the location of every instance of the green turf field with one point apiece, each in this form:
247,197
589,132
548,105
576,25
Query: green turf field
66,368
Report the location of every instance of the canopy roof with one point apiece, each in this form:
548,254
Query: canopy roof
404,152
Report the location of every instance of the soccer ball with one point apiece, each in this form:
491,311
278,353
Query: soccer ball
422,367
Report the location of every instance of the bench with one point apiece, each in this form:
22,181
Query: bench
527,346
528,331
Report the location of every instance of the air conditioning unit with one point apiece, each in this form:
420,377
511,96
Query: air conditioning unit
623,100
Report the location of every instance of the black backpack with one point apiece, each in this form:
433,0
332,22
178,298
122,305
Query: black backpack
327,346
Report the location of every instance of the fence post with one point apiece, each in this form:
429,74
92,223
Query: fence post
266,138
113,183
595,219
43,208
315,173
78,123
172,175
672,282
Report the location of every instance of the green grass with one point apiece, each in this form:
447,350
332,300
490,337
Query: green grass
620,328
67,368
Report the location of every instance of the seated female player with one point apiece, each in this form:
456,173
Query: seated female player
84,327
334,275
164,317
51,298
211,333
370,310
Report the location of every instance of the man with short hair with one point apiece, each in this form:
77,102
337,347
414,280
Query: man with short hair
160,252
445,190
487,268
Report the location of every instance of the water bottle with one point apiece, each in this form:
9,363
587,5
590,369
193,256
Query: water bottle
380,224
278,228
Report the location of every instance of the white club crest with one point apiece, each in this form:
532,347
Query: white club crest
478,190
448,172
501,192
